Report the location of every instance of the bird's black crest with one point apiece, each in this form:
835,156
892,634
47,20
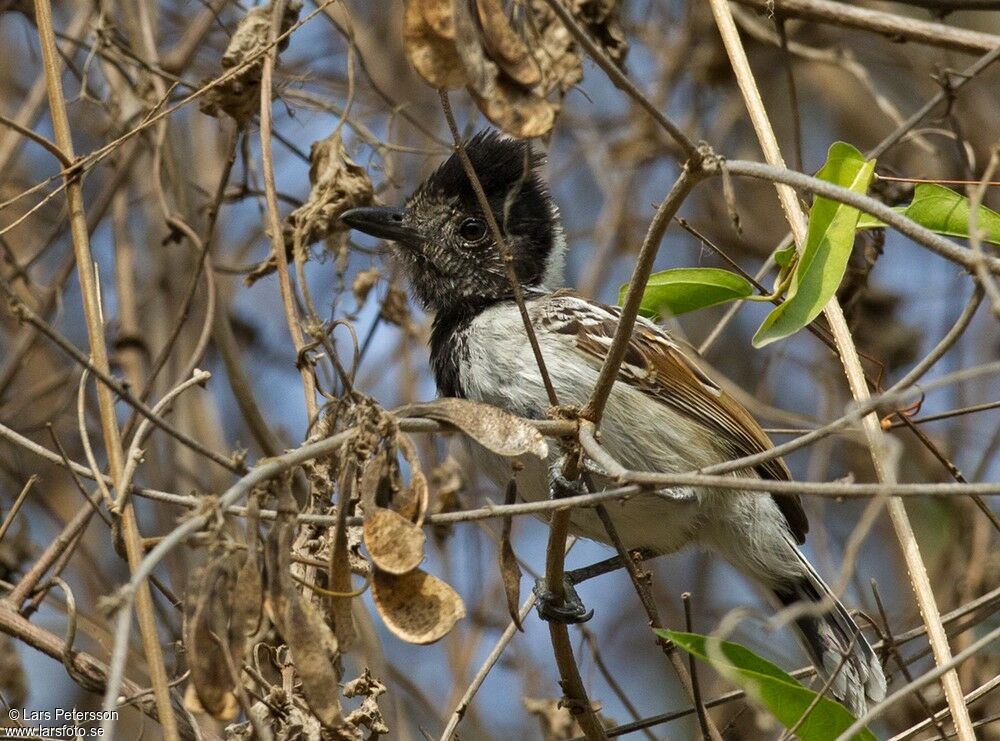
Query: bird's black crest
518,197
500,162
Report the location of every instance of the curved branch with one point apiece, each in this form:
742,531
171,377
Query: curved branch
923,236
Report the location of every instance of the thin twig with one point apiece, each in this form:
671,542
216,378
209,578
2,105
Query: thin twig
889,644
699,706
875,21
690,175
920,682
508,259
688,681
491,659
853,370
620,81
273,216
8,519
95,332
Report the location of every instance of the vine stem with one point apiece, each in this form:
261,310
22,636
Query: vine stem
273,215
99,353
874,434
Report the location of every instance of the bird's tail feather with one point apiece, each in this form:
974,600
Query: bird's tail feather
830,636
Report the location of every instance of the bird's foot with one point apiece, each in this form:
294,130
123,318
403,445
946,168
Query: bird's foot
567,609
561,487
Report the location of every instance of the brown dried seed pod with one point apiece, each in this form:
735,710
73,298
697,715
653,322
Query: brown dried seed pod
495,429
248,594
311,643
439,17
416,607
395,544
211,688
433,56
518,111
417,498
507,48
480,71
339,570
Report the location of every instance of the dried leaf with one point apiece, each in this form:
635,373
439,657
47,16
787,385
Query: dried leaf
395,544
505,46
368,714
278,559
416,607
239,95
396,308
438,15
510,570
338,184
363,284
433,56
493,428
446,481
512,56
211,687
602,18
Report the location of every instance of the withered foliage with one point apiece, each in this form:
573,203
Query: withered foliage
276,598
305,610
516,59
238,95
338,184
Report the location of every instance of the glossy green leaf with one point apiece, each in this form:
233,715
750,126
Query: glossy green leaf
829,241
680,290
770,686
944,211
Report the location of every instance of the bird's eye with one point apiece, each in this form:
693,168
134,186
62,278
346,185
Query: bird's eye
472,231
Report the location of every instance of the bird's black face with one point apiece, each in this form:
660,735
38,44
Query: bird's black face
444,240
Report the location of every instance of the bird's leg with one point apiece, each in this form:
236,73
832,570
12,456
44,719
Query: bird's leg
582,574
568,608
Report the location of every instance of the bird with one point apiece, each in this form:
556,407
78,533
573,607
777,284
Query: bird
664,412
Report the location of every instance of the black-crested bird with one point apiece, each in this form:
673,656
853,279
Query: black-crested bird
664,413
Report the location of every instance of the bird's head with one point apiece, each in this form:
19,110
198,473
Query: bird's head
444,240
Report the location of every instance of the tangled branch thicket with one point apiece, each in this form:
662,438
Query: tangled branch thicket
225,513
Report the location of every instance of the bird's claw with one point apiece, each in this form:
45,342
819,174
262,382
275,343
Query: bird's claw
561,487
567,610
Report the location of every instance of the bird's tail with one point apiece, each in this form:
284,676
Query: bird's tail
831,636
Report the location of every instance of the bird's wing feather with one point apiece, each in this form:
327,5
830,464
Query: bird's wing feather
658,366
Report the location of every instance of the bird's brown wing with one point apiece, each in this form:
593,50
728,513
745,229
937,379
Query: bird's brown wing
658,366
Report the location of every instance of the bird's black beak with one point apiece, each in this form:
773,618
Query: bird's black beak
383,222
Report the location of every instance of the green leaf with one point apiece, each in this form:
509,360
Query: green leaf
680,290
783,258
829,240
944,211
770,686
